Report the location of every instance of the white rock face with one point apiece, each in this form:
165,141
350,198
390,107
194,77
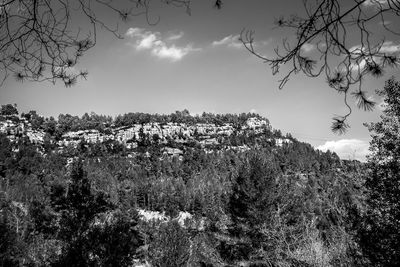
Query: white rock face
183,216
255,123
148,215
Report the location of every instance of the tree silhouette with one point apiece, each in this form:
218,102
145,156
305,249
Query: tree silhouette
325,29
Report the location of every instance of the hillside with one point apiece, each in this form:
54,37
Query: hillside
198,129
225,190
137,133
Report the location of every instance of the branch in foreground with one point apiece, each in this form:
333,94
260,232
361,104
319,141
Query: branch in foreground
39,40
325,30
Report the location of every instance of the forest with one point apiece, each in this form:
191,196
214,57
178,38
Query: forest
271,204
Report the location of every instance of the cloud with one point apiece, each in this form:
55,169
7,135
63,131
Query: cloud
358,51
131,32
175,36
147,40
390,48
307,47
172,52
375,2
230,41
347,148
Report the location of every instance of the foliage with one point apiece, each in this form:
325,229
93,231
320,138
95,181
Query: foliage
11,247
115,243
170,246
282,205
9,110
380,233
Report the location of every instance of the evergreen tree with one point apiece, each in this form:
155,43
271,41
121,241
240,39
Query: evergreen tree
250,205
77,207
380,236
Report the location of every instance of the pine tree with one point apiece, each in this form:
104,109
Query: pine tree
380,236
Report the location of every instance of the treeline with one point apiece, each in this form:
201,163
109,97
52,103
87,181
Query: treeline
67,122
185,117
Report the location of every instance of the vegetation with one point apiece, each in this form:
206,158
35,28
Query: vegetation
380,236
271,204
240,199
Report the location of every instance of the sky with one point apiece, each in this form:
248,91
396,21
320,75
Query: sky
196,62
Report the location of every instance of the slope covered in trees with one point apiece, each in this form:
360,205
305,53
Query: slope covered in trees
252,198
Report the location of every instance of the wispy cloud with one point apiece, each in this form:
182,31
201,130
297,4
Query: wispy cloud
388,48
347,148
375,2
230,41
175,36
159,47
